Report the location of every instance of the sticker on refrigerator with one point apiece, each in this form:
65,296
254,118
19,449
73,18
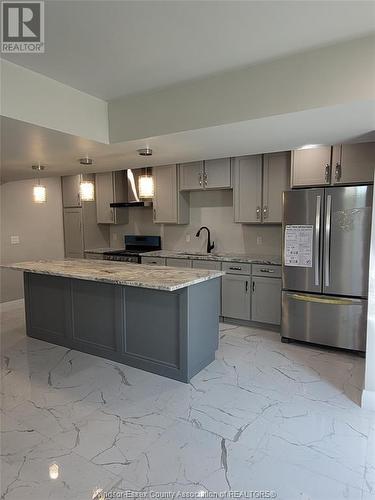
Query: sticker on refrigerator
298,245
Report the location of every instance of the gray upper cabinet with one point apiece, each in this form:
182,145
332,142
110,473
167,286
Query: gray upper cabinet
266,300
217,174
70,190
170,206
353,163
311,167
276,167
111,187
73,233
247,188
235,296
191,176
209,174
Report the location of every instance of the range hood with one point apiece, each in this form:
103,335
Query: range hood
133,198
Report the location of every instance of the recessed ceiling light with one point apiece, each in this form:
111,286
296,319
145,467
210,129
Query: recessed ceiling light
86,161
311,146
144,152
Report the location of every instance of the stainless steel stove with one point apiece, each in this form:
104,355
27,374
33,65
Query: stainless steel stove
134,247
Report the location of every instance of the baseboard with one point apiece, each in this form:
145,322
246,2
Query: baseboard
368,400
11,305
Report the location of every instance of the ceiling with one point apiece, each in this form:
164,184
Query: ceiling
115,48
23,144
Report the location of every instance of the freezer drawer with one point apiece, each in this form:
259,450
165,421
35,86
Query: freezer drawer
327,320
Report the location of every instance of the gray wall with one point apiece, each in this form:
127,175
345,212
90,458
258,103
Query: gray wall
210,208
40,228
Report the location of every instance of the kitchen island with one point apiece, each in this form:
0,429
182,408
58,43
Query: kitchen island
160,319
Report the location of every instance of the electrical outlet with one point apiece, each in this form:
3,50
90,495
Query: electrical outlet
259,240
187,238
15,240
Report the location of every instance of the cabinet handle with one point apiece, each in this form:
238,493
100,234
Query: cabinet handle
234,268
338,172
258,212
253,286
267,271
200,178
154,213
265,212
205,179
327,173
246,286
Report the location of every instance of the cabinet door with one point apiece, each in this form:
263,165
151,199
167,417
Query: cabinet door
104,196
311,167
170,206
235,296
73,233
353,163
178,262
70,190
247,188
266,300
276,167
191,176
217,174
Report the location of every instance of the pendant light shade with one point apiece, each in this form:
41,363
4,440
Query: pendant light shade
39,191
87,191
39,194
146,185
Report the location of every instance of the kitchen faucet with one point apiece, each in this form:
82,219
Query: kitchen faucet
210,245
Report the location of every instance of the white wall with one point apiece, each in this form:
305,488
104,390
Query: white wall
209,208
39,226
328,76
368,395
34,98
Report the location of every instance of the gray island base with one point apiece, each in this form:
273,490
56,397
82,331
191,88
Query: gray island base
170,333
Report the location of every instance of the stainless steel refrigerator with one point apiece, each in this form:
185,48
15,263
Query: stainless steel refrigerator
326,244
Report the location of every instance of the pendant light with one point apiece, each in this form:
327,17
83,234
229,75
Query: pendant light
146,184
39,191
87,191
86,188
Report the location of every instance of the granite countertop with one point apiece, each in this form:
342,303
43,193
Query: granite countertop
99,250
223,257
119,273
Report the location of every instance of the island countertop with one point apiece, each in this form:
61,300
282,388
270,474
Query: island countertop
119,273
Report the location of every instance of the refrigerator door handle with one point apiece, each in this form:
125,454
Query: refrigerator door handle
317,239
327,241
324,300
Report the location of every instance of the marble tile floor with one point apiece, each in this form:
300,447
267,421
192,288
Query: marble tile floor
265,417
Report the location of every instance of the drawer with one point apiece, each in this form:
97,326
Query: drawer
236,268
266,270
153,261
207,264
178,262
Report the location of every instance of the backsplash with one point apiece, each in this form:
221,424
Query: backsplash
209,208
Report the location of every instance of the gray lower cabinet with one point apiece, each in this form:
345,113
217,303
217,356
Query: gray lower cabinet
178,262
153,261
173,334
266,300
236,297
